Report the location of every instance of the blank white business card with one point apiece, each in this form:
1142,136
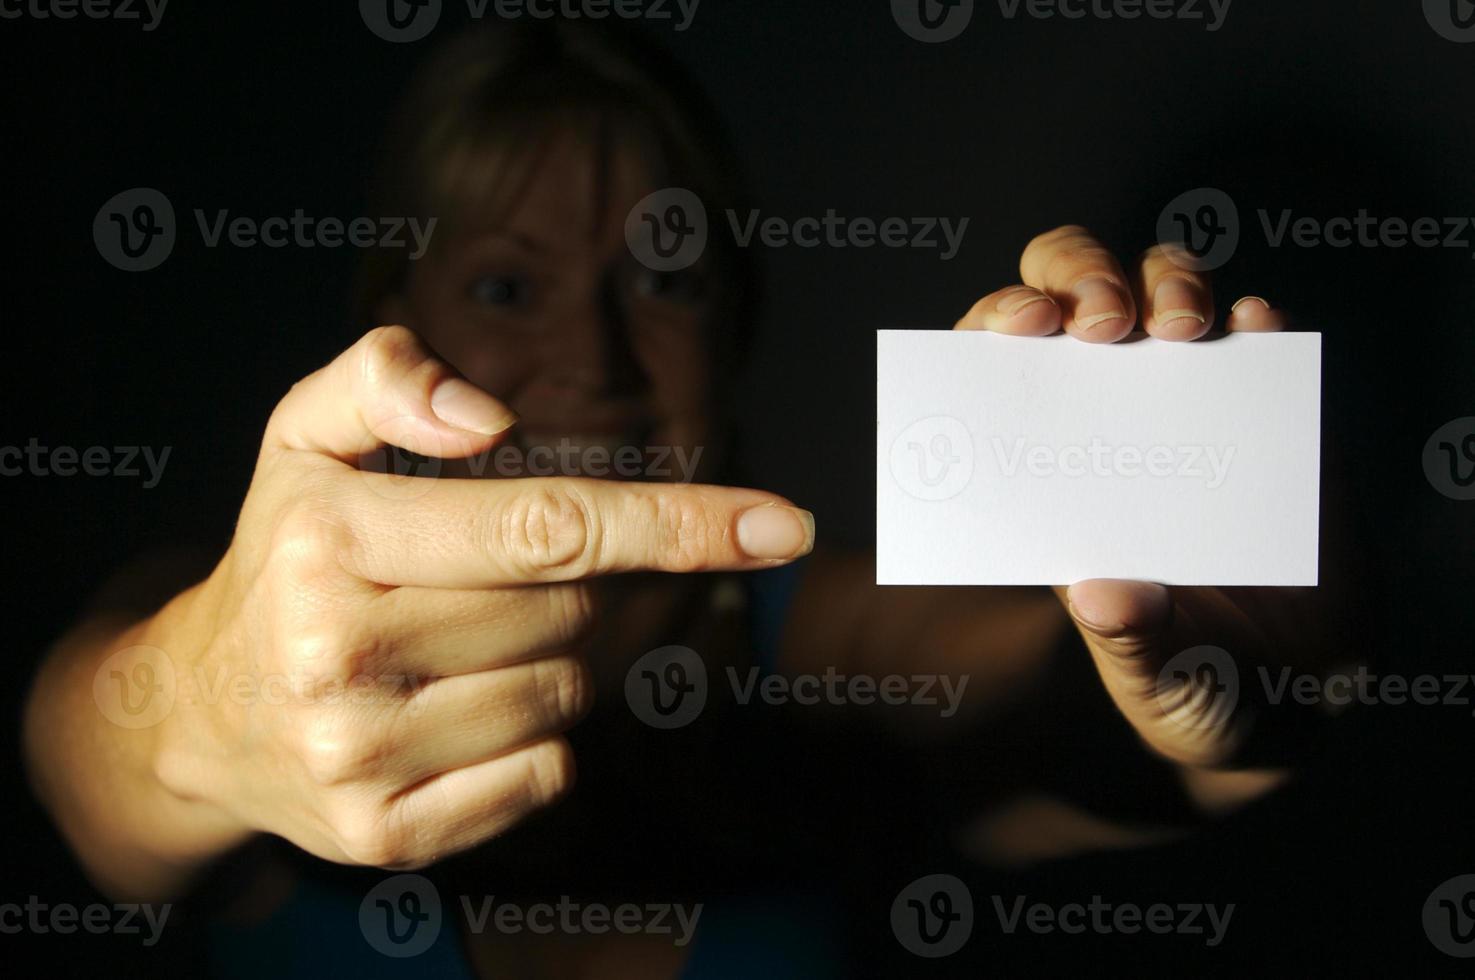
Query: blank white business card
1046,460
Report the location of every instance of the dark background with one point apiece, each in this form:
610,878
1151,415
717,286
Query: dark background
1324,108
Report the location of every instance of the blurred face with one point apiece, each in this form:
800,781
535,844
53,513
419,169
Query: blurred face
548,310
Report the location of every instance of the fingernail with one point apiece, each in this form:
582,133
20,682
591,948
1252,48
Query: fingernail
458,402
1146,606
771,531
1022,300
1247,299
1165,317
1093,619
1174,304
1097,302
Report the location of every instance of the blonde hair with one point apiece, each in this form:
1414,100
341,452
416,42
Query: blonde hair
473,125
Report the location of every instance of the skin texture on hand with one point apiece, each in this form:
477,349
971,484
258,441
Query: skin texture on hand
1070,281
380,669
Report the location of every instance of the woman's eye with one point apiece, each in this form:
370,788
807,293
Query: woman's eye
683,286
499,291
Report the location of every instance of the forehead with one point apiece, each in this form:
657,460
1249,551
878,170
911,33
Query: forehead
579,190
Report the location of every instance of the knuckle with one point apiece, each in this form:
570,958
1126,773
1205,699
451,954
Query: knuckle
551,770
315,657
686,531
1081,257
385,352
563,686
334,752
368,837
1055,236
549,529
307,537
572,613
1168,256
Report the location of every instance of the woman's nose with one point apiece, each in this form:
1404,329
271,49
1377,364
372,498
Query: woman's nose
594,353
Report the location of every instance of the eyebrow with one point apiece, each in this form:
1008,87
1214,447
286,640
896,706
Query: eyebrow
520,239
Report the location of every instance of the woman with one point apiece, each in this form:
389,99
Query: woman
474,620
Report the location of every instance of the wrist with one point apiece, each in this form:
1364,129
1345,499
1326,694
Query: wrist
186,759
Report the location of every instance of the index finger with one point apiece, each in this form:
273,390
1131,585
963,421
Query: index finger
1071,267
469,534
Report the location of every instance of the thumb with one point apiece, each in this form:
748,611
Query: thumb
1180,698
388,388
1126,620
